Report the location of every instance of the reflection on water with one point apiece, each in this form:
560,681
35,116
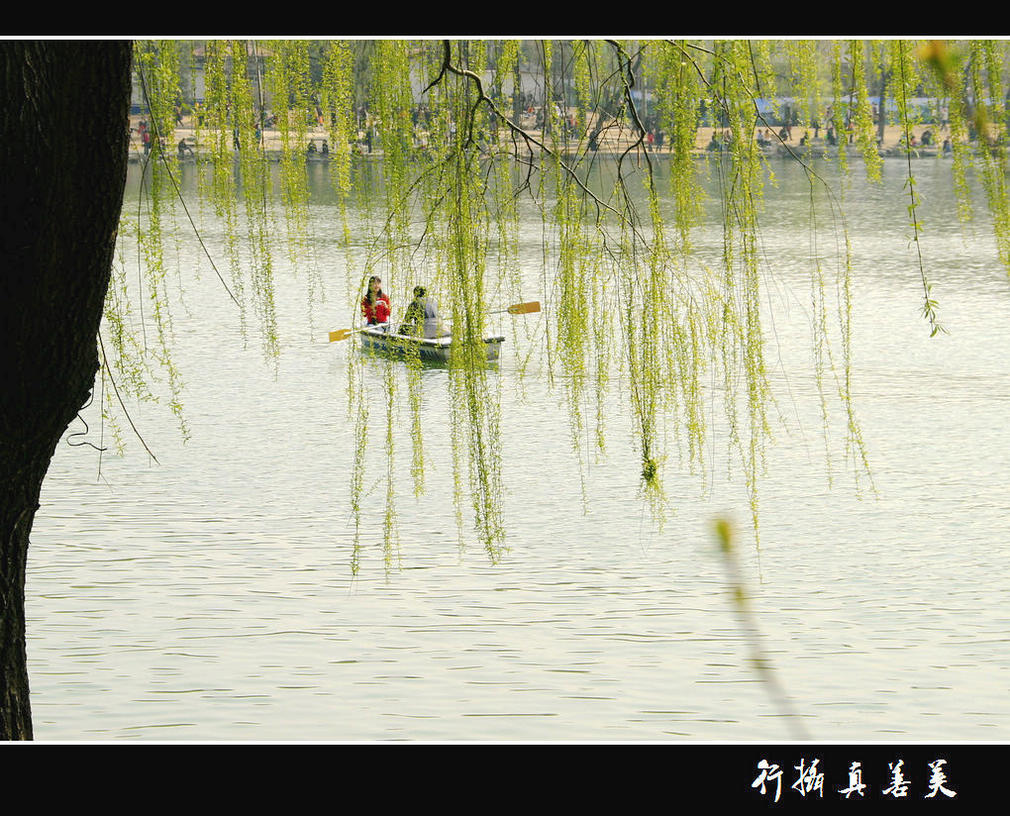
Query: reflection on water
210,597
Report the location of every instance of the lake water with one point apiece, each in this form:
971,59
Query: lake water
210,597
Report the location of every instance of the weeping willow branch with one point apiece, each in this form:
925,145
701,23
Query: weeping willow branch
529,138
929,305
161,154
441,198
628,82
724,535
759,117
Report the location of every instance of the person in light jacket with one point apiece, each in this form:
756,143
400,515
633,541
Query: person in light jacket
421,318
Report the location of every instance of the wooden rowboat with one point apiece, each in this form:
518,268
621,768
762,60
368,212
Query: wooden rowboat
436,349
439,349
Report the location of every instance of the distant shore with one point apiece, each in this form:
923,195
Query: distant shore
798,140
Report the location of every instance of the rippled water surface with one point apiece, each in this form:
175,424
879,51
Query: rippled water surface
210,596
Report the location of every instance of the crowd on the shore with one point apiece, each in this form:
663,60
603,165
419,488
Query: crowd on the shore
785,133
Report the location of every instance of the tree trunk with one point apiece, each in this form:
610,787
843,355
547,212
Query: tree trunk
63,159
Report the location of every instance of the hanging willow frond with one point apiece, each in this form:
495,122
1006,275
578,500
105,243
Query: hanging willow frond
631,297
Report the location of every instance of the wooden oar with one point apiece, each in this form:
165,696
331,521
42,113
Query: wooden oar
521,308
515,308
343,334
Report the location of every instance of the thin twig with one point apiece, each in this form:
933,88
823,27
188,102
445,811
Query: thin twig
516,129
108,369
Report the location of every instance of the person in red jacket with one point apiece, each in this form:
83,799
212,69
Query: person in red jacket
375,305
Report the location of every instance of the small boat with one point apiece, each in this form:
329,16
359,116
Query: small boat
435,349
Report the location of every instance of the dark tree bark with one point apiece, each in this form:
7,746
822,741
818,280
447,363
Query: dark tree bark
63,159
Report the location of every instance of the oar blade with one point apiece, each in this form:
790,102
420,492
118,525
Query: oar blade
524,308
340,334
